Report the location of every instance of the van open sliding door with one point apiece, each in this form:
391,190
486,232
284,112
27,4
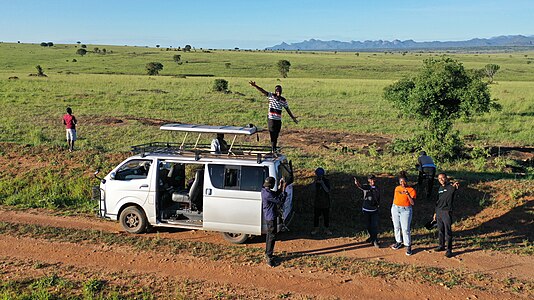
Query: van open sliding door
232,198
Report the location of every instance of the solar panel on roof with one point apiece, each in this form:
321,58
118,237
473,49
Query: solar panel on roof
210,129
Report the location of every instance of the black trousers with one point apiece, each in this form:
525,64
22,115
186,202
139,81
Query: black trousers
318,212
271,237
371,220
274,130
444,220
429,173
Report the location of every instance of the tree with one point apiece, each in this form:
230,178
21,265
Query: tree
157,46
78,42
40,71
50,44
96,50
104,51
490,70
83,46
442,92
153,68
283,67
177,58
44,44
187,48
81,52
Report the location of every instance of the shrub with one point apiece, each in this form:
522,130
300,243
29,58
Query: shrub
81,52
153,68
220,85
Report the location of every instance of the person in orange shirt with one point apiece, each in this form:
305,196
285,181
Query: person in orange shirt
401,214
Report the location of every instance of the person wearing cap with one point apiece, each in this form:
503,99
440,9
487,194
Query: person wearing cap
401,214
426,168
443,214
321,202
270,200
69,120
274,119
370,205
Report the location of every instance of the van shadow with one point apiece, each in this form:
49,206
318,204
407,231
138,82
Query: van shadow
509,229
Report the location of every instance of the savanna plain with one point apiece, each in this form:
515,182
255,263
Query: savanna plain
52,245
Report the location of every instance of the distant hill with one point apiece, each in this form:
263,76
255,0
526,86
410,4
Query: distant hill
500,41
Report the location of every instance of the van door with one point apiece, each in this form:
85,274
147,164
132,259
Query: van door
131,183
232,198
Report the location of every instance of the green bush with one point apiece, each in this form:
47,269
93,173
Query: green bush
220,85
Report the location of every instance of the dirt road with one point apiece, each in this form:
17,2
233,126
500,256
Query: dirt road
258,280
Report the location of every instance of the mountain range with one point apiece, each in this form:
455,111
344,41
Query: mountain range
500,41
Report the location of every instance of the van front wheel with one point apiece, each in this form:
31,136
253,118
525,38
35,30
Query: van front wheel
133,220
235,238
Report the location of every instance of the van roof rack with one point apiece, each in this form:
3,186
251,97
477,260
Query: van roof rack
204,150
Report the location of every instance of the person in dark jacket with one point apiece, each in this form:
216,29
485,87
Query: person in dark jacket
321,203
270,200
370,205
443,215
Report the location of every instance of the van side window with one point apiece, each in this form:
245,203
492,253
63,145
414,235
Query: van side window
252,178
134,169
231,178
242,178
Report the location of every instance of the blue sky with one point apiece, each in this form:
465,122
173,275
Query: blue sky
255,24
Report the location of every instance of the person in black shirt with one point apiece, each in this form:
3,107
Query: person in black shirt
443,215
321,205
370,204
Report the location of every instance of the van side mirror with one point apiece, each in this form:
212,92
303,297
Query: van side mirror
112,175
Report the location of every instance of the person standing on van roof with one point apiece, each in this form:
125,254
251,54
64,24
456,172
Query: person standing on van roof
443,214
321,205
274,119
426,168
69,120
270,200
370,205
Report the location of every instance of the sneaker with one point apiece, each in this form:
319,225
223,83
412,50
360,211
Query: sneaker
270,261
375,243
396,246
439,249
409,251
328,232
448,254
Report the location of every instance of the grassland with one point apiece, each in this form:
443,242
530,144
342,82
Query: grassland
340,92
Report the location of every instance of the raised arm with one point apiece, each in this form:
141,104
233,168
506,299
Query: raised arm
264,92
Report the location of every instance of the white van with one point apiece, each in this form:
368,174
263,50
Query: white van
187,186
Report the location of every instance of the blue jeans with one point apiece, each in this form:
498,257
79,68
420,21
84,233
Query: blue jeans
402,218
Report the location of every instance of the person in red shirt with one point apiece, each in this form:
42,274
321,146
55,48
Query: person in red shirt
401,214
69,120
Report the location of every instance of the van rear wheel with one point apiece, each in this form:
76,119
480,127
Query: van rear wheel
235,238
133,220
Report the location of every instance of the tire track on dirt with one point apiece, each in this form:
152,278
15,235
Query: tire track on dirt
501,265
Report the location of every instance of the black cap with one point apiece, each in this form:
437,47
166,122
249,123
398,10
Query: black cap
371,176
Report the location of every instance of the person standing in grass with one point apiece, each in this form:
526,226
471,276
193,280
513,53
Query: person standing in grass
443,215
401,214
321,205
370,205
69,120
274,119
270,200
